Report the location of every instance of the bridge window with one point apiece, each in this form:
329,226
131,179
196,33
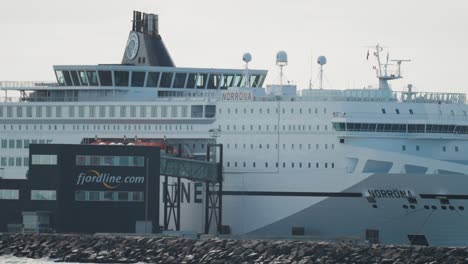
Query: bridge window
226,81
83,78
60,78
237,81
213,81
444,148
105,77
75,78
153,79
383,111
92,78
456,148
397,111
254,80
179,81
121,78
201,81
138,79
417,147
67,77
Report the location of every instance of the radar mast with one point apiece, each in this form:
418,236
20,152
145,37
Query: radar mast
382,71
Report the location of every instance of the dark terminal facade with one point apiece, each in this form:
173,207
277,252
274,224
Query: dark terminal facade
85,189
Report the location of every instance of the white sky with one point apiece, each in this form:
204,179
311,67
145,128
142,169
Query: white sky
215,33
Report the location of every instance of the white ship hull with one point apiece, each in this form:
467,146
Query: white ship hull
264,201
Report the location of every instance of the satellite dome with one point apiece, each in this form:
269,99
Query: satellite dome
322,60
247,57
281,58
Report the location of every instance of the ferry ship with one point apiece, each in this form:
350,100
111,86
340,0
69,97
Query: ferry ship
369,164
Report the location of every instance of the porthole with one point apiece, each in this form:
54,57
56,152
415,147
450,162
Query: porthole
374,206
461,208
412,207
405,206
434,207
443,207
451,207
426,207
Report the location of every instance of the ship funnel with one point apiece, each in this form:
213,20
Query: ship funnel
145,45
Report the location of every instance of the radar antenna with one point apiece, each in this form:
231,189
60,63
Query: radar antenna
281,61
321,60
247,58
382,71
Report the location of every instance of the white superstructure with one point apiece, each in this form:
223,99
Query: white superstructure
359,164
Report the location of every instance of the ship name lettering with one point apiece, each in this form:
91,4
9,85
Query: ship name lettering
394,193
237,96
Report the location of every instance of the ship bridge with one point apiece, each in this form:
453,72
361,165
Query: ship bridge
133,83
129,76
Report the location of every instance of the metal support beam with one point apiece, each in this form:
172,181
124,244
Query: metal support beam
213,195
172,193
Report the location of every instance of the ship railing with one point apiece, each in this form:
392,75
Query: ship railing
27,84
376,95
402,117
108,98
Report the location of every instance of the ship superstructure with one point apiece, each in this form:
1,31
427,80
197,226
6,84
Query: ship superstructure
370,164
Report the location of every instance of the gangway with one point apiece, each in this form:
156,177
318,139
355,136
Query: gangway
209,172
190,169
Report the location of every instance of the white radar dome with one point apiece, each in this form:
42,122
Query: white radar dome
322,60
247,57
281,58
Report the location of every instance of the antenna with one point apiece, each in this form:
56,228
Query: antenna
382,71
281,61
311,71
247,58
321,60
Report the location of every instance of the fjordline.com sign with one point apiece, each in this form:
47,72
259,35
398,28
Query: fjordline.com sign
109,181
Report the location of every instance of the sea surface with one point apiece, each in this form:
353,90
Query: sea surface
15,260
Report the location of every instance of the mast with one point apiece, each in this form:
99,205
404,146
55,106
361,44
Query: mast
382,72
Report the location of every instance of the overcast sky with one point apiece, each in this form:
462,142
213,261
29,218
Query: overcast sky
215,33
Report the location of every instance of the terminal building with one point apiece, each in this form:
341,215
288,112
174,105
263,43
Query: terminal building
85,189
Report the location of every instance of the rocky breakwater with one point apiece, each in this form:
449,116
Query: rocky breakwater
152,249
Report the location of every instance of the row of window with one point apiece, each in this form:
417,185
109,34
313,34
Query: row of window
274,127
8,194
44,195
43,159
276,164
109,111
156,79
115,127
273,110
106,196
284,146
418,148
401,128
397,111
127,161
14,161
22,143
